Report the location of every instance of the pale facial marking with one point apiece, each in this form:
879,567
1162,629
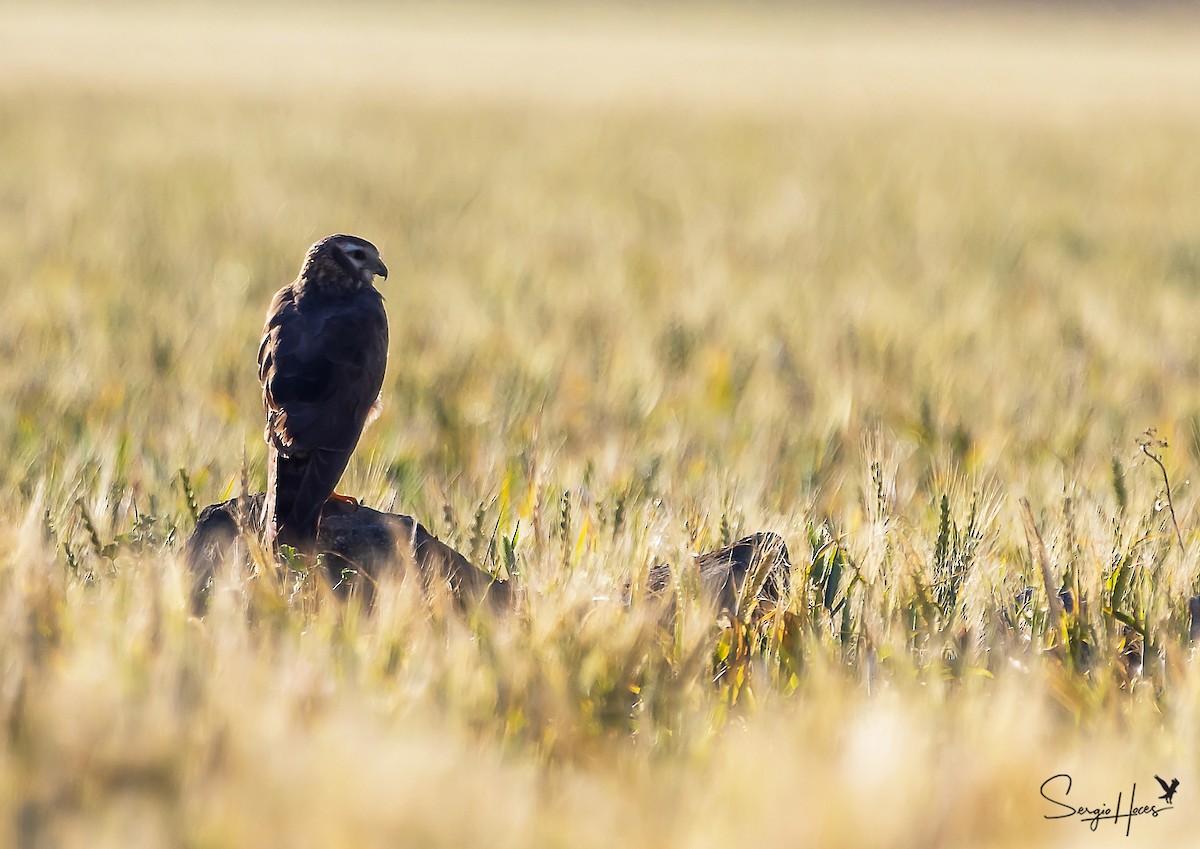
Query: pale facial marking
359,256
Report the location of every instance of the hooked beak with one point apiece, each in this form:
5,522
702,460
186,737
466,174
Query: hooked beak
380,269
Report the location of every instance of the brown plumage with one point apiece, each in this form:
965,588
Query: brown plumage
321,364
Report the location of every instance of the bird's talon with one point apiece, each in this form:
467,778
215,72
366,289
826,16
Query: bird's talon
345,499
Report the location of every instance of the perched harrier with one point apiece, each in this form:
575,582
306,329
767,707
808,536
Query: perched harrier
321,364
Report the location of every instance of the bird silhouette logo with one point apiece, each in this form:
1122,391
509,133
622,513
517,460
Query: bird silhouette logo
1168,795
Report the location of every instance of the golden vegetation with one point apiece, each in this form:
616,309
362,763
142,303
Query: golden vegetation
868,279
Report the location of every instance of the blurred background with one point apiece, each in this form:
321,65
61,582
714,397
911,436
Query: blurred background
751,215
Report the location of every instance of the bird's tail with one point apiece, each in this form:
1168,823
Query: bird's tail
297,489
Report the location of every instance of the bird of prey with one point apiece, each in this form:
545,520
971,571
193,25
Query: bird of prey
321,364
1168,795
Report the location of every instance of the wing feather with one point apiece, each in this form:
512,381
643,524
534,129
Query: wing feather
321,363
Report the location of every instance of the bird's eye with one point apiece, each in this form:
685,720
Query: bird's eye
357,253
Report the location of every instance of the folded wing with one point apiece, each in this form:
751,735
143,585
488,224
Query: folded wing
321,363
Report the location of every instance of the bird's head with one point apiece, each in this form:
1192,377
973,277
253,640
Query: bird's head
343,262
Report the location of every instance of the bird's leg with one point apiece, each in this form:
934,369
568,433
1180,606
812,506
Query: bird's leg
344,499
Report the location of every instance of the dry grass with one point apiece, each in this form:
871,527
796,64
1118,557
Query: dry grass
660,277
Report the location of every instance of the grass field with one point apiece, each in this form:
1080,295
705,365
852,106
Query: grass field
661,277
